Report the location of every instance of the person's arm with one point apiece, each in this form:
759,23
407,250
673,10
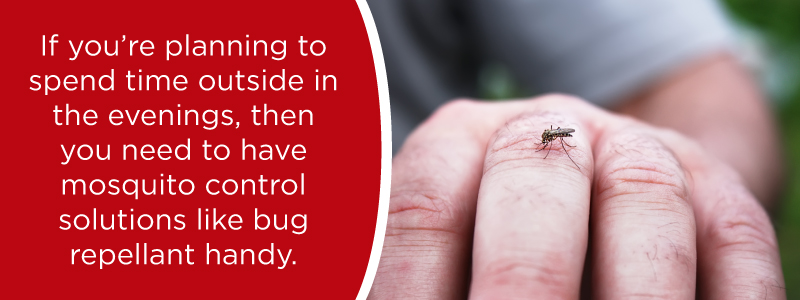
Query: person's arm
716,102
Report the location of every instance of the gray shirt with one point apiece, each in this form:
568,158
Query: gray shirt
601,50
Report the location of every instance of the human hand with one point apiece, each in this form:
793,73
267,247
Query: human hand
476,211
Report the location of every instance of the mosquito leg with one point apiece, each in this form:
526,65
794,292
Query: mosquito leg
548,151
570,157
544,145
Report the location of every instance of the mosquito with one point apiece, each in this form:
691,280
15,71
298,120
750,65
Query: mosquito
550,135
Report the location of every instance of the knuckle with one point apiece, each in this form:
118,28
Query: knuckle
509,148
426,211
448,121
517,271
515,145
640,145
739,223
642,164
634,177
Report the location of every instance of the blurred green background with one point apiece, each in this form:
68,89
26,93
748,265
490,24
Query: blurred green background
774,27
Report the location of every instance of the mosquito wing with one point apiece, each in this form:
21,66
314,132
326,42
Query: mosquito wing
562,131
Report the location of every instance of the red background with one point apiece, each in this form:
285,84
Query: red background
342,168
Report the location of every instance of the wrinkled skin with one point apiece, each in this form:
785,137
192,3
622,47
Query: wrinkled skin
476,212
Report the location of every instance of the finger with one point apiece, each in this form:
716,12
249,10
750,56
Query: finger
643,228
738,255
435,181
531,226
